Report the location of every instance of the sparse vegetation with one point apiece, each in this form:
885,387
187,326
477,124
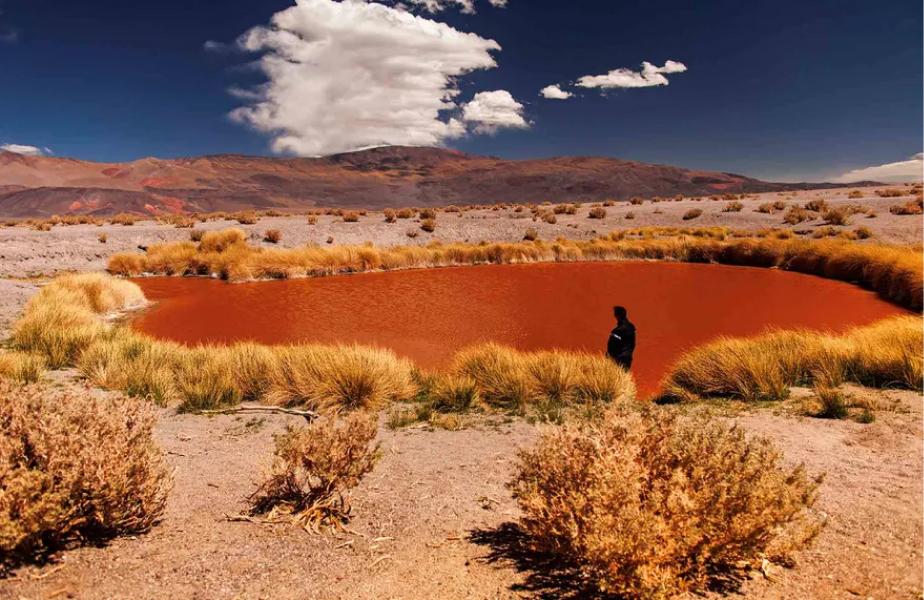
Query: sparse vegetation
22,367
597,213
314,468
76,469
836,216
885,354
912,207
796,215
272,236
531,234
428,225
648,505
693,213
734,206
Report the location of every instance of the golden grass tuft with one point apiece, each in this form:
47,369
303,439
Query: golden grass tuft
314,467
884,354
22,367
650,505
75,468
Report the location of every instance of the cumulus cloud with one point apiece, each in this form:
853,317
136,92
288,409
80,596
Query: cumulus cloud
896,172
25,150
489,112
348,75
650,75
466,6
554,92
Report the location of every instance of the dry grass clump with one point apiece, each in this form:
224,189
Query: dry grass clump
125,219
565,209
245,217
836,216
650,505
541,384
912,207
23,367
314,467
796,215
890,193
884,354
855,194
531,234
328,379
733,207
597,213
406,213
692,214
350,217
76,469
390,215
272,236
816,205
428,225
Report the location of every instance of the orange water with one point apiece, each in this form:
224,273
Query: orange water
428,314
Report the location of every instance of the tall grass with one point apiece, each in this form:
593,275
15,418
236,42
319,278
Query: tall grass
893,271
885,354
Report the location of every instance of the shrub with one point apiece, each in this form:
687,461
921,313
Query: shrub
451,393
630,215
531,235
406,213
427,213
428,225
75,469
649,505
196,235
272,236
796,215
125,219
766,207
636,201
567,209
855,194
312,219
733,207
549,218
692,214
890,193
832,403
597,213
411,233
314,467
914,207
350,217
816,205
863,233
102,238
245,217
390,215
836,216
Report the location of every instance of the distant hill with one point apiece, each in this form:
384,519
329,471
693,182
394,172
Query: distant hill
32,186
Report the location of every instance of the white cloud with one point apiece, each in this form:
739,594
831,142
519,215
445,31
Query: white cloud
896,172
490,111
554,92
25,150
349,75
466,6
649,76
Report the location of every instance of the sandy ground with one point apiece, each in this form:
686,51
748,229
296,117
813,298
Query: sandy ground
430,520
28,253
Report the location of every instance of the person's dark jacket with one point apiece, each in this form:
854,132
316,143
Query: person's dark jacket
621,343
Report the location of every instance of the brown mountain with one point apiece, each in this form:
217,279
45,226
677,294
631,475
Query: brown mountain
33,186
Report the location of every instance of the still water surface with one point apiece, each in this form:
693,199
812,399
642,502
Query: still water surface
428,314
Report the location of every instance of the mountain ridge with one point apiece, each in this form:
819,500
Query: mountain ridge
375,178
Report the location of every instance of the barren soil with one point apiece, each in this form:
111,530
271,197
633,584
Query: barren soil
28,253
430,519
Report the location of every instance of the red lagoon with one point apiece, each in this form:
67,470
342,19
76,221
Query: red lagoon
429,314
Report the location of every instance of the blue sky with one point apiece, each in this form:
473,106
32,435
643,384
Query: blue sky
784,90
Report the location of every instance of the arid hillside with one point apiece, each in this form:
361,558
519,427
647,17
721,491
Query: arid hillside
394,176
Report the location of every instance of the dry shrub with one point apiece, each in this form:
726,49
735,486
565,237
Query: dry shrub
650,505
693,213
884,354
733,207
350,217
245,217
816,205
636,201
630,215
428,225
102,238
196,235
531,235
390,215
832,404
454,393
427,213
219,241
312,219
272,236
550,218
912,207
406,213
863,233
314,467
855,194
597,213
796,215
75,469
23,367
890,193
836,216
565,209
125,219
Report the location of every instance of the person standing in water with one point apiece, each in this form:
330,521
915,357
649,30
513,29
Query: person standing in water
621,343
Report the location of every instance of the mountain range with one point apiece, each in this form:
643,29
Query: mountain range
392,176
